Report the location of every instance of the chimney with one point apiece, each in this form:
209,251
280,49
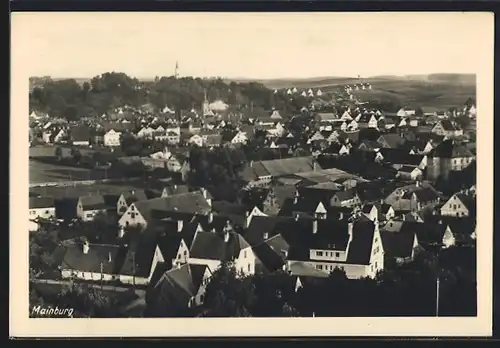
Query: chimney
314,166
381,201
251,164
180,225
175,186
417,183
296,198
226,237
210,217
248,218
296,217
265,235
109,257
350,228
86,247
341,216
121,232
315,226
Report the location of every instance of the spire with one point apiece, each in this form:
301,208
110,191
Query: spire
176,72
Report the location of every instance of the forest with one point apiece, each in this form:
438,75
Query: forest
67,98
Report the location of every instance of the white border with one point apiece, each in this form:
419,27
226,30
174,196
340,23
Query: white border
21,326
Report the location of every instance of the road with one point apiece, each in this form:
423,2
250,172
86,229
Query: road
139,292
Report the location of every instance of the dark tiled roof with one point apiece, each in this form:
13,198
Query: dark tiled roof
93,202
134,196
397,244
142,254
193,202
427,233
401,156
447,125
80,133
212,246
175,190
176,287
259,225
449,149
75,259
468,200
41,202
361,244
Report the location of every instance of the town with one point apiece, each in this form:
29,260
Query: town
190,197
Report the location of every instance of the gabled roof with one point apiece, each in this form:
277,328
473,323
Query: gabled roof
401,157
192,202
41,202
80,133
398,244
132,196
450,149
468,200
98,254
447,125
172,190
176,287
212,246
392,139
427,233
92,202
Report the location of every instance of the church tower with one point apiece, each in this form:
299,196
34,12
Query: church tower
205,107
176,71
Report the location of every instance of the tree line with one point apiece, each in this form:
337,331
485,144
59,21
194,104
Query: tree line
69,99
406,290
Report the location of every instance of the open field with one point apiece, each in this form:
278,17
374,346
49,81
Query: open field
319,82
98,188
44,172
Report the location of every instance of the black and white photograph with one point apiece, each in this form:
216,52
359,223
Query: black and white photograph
298,166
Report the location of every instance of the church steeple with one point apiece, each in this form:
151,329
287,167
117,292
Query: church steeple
176,71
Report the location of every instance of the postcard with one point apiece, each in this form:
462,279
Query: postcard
308,174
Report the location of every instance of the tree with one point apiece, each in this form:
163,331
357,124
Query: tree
77,156
88,301
97,158
58,153
228,295
71,113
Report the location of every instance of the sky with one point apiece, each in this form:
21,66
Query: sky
249,45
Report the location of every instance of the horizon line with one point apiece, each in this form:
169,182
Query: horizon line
285,78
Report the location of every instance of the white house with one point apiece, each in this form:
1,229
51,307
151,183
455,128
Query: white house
239,138
112,138
40,208
196,139
459,205
145,132
324,257
89,206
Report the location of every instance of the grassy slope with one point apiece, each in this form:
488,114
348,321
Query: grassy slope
440,90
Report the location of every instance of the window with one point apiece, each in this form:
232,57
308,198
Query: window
319,253
454,207
185,252
133,216
319,267
337,254
46,211
132,208
245,254
249,267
